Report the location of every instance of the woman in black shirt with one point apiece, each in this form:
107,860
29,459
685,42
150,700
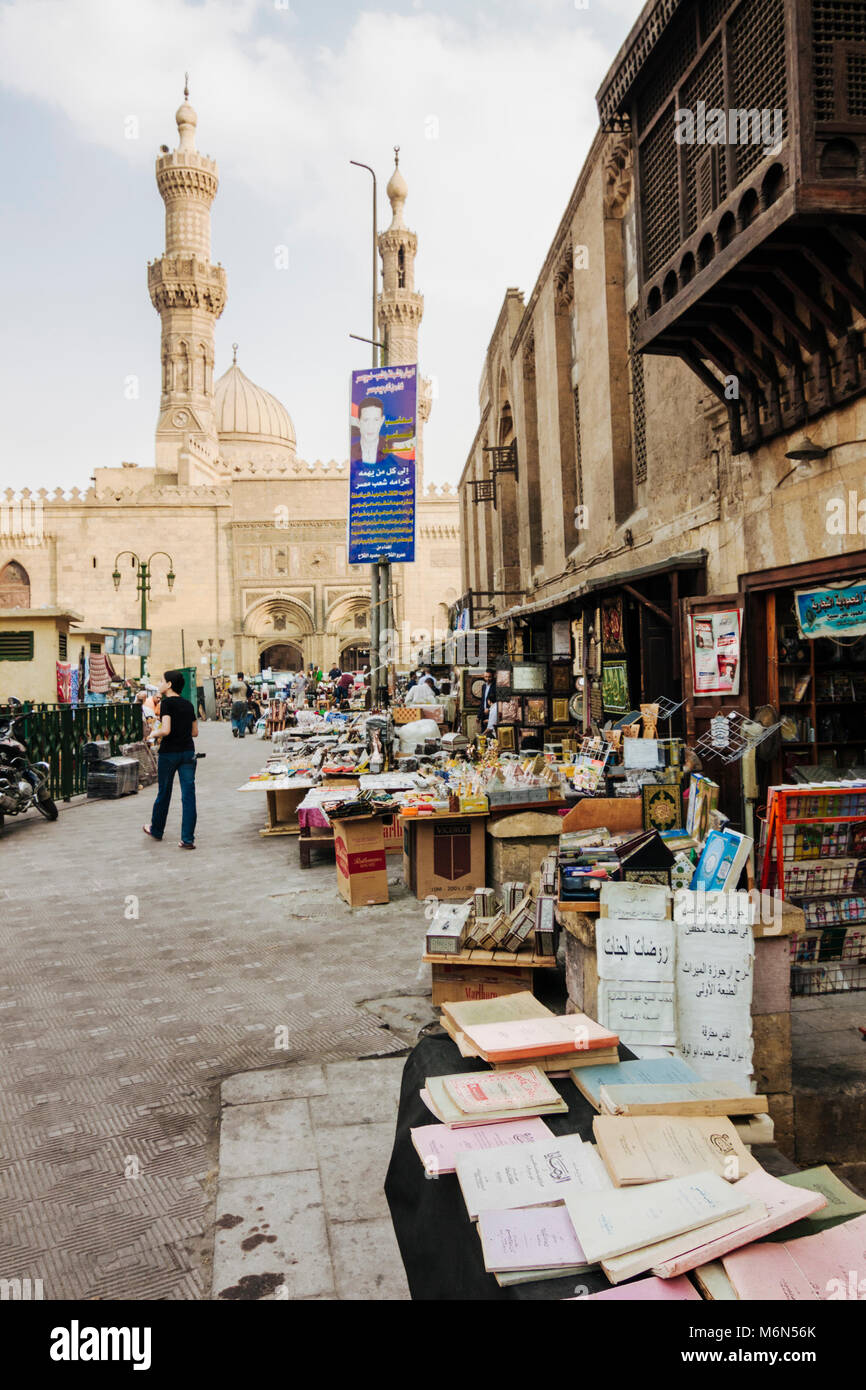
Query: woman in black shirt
177,729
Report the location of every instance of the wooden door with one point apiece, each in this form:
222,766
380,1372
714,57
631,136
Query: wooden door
700,708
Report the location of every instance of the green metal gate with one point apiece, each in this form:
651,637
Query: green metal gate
56,734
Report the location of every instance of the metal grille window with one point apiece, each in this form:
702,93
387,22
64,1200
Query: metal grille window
62,645
668,66
711,12
638,400
659,191
16,646
706,84
833,22
756,59
855,82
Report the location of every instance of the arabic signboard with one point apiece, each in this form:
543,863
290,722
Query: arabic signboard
382,465
840,611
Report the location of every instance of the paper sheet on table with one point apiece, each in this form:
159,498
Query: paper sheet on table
635,950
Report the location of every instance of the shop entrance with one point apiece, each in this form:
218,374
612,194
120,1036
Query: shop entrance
355,657
283,656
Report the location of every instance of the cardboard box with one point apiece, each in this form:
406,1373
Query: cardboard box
452,984
444,856
359,845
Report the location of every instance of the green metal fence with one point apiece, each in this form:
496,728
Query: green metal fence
56,734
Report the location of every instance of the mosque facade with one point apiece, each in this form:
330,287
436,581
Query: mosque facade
254,534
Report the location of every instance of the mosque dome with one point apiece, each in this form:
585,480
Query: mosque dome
245,413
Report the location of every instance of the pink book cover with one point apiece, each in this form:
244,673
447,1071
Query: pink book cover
438,1145
828,1266
476,1092
643,1289
785,1204
540,1036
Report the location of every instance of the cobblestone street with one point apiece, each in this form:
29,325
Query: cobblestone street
116,1031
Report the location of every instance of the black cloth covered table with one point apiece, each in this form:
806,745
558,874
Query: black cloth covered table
439,1244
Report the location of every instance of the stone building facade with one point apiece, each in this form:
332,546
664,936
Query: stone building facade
255,535
706,462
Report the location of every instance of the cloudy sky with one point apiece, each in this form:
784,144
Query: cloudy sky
492,105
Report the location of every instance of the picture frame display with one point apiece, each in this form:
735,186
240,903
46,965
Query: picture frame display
560,711
612,633
614,687
561,678
509,710
473,685
505,736
577,631
503,681
528,678
535,710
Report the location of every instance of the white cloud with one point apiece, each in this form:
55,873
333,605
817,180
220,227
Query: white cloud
283,115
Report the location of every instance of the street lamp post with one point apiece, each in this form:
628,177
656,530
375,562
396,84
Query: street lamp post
144,572
375,596
212,649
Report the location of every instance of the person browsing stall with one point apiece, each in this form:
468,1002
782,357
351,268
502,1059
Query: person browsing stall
178,727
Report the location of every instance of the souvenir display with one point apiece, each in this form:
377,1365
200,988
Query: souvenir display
614,687
535,709
612,636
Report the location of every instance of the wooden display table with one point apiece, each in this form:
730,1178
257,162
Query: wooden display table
284,796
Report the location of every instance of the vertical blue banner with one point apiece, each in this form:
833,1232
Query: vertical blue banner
382,465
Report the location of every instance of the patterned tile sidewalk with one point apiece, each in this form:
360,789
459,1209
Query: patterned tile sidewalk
133,979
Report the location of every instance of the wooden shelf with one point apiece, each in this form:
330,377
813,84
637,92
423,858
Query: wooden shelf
528,959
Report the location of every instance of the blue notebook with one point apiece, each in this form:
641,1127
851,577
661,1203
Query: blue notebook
647,1072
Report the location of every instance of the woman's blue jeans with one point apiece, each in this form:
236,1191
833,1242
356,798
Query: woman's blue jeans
184,765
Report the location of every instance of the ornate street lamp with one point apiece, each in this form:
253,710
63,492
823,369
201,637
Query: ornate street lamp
144,572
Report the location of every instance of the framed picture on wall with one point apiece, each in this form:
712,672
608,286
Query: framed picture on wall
593,650
560,711
473,686
535,709
505,737
612,634
614,687
509,711
560,638
577,639
503,681
561,678
529,677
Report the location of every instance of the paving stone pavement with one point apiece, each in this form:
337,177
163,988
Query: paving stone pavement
134,977
301,1209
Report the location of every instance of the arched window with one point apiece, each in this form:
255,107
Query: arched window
14,586
401,269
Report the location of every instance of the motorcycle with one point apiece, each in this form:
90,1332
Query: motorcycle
22,784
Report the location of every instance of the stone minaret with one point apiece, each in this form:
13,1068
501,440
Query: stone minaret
401,307
189,294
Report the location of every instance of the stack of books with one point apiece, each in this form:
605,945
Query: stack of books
518,1027
480,1097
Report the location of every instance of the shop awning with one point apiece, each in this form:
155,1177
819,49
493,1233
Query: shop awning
691,560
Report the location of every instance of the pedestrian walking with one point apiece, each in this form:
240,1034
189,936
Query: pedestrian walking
239,691
299,690
178,727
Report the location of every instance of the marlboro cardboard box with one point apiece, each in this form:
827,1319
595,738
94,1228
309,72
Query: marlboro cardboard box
452,984
362,875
